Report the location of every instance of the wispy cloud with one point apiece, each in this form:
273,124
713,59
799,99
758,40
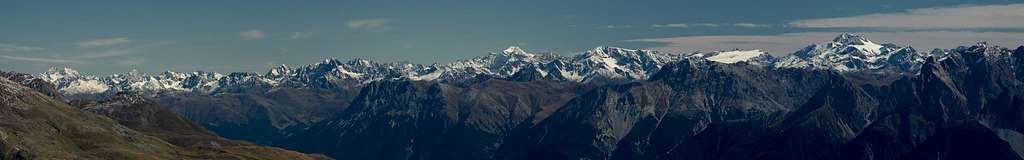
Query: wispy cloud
684,25
121,51
782,44
18,48
959,17
42,60
751,25
107,55
705,25
617,26
103,42
379,24
251,34
674,25
710,25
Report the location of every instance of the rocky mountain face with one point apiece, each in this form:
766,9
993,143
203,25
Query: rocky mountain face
261,117
34,125
848,98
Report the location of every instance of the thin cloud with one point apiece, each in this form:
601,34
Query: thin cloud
103,42
674,25
783,44
684,25
18,48
104,56
705,25
617,26
378,24
959,17
42,60
751,25
251,34
116,52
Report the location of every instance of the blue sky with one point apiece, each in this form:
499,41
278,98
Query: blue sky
103,37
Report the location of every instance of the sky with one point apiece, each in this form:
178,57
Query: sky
115,36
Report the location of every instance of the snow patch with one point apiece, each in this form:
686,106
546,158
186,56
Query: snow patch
735,56
427,77
85,87
869,47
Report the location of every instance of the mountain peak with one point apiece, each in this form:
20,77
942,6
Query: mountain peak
279,71
853,52
981,44
851,39
603,51
513,50
64,70
57,73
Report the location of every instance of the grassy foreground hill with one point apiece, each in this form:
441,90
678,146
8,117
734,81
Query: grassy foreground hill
34,125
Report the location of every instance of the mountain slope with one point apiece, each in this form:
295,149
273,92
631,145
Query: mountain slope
35,126
136,112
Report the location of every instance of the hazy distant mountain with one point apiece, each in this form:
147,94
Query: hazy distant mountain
848,98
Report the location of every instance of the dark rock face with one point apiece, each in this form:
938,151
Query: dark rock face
259,116
963,141
408,108
430,120
143,115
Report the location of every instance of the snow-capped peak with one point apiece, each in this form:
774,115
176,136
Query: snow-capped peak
617,63
613,51
851,52
750,56
55,73
851,39
514,50
279,71
69,81
858,42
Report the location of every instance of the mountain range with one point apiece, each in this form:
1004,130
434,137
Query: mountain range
847,98
845,53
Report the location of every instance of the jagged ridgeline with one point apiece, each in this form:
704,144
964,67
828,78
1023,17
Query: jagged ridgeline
847,98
